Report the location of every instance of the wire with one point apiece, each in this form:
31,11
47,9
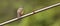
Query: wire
30,13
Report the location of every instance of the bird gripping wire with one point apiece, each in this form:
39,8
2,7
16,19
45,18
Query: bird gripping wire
23,16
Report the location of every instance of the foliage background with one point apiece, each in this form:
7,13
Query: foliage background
49,17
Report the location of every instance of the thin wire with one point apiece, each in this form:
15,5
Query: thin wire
30,13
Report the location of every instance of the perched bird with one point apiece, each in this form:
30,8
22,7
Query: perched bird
20,12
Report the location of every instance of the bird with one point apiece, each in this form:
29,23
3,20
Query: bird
20,12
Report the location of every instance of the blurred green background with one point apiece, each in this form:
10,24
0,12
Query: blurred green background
49,17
